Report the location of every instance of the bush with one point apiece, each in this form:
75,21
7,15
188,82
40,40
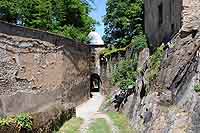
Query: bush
23,120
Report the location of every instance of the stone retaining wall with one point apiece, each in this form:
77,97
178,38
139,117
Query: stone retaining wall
38,69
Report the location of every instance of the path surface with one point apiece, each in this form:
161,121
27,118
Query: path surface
89,112
89,108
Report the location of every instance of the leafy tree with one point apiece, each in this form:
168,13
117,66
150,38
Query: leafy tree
67,17
123,21
124,28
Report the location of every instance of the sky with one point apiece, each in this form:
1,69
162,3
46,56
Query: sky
98,13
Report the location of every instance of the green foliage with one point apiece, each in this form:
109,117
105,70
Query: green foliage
6,121
71,126
124,27
155,62
113,51
123,20
67,17
23,120
74,33
121,122
197,88
99,126
139,42
125,73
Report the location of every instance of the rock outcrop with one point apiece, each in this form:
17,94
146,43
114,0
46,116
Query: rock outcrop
171,104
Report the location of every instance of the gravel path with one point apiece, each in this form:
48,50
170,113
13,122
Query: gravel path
89,112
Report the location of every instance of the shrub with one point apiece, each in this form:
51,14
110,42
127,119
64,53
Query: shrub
23,120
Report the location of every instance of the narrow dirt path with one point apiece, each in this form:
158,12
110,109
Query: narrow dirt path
89,112
89,108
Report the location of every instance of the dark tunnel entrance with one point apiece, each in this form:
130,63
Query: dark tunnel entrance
95,82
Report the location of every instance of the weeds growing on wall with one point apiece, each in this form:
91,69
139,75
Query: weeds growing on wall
155,62
197,88
6,121
126,72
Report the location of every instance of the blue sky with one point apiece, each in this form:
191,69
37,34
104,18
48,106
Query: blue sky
98,13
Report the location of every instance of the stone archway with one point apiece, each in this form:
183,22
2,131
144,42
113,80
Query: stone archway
95,82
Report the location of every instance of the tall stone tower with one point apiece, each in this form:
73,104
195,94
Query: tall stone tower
96,45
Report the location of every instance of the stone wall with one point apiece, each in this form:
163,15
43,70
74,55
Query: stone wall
38,69
162,20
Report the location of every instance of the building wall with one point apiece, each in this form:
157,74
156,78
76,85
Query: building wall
38,68
162,20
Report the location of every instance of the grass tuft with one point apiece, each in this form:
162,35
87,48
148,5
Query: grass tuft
71,126
99,126
121,122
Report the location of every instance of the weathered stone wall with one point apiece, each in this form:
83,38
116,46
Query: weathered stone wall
38,69
161,25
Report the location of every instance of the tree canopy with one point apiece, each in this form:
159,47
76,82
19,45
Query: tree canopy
66,17
123,21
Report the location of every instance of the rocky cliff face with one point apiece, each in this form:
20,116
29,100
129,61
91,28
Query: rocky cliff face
171,104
